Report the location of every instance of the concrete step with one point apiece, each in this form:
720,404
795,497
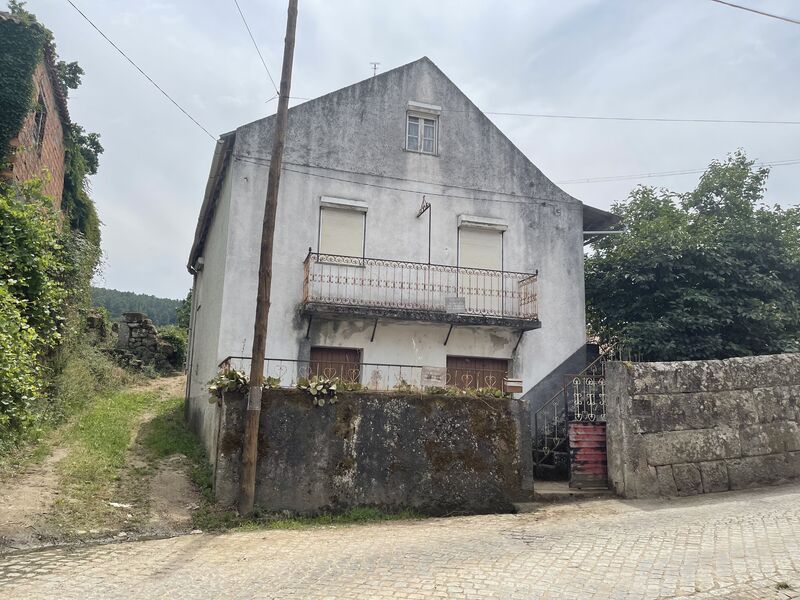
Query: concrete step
559,491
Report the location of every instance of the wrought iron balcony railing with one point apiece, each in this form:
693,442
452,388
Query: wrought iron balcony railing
395,284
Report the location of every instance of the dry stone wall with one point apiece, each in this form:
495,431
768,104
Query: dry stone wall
685,428
137,335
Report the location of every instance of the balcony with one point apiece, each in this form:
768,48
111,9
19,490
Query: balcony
409,291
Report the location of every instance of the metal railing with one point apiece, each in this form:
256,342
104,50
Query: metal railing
369,376
373,282
581,398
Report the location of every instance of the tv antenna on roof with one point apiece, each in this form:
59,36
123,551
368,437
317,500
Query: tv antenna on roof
374,68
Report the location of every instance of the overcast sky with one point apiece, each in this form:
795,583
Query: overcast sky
640,58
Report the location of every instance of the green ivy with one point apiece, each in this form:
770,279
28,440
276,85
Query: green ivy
32,265
81,153
21,46
20,371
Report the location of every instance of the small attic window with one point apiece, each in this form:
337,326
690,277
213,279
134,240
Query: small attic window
39,122
422,128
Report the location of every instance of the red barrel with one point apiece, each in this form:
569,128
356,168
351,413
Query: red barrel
587,447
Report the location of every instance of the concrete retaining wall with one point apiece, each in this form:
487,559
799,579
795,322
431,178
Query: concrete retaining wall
435,454
688,428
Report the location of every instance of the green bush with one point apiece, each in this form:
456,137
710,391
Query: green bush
45,361
178,337
20,372
31,258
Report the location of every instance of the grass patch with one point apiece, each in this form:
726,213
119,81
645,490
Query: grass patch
80,374
210,518
98,440
167,435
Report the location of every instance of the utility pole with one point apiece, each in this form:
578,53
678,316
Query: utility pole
375,66
247,488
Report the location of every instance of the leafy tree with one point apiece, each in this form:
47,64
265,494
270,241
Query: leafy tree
81,158
184,311
162,311
69,74
712,273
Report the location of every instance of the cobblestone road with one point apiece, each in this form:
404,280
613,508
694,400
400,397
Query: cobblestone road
735,545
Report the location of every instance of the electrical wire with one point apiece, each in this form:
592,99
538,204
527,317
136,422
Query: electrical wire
758,12
611,178
526,200
255,45
646,119
138,68
264,161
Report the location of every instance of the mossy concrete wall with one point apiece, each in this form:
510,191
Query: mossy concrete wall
435,454
685,428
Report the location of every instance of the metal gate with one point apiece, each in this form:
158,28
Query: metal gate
587,431
587,447
572,425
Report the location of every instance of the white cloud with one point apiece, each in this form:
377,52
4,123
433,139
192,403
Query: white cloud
680,58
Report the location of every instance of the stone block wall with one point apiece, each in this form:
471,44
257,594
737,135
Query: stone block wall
435,454
137,335
685,428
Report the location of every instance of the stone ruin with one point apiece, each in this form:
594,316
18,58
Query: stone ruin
138,337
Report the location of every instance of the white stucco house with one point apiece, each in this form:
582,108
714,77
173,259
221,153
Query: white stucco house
414,244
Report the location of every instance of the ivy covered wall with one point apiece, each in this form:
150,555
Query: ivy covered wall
21,49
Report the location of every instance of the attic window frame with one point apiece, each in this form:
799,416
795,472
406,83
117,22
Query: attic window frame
422,116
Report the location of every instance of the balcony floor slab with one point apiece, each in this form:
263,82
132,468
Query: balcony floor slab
419,315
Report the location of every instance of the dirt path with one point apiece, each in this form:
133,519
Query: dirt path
24,500
163,496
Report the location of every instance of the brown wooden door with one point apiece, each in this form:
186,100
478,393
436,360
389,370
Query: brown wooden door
344,363
472,372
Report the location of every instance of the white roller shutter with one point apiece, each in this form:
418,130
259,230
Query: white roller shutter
480,248
341,232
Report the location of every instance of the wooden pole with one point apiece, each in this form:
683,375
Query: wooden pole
250,446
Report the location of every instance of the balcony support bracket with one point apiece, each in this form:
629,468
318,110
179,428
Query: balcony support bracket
374,327
519,339
449,331
308,329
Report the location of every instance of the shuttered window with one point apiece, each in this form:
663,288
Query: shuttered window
480,248
341,232
344,363
474,372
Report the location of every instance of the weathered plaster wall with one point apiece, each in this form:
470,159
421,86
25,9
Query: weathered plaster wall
436,454
207,318
688,428
361,129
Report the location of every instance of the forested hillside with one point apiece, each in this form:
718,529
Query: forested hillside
160,310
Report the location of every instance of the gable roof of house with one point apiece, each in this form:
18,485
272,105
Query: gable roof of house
594,219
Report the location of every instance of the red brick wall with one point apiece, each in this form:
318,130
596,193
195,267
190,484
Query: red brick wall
47,160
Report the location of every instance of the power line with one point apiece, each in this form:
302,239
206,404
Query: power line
758,12
138,68
646,119
263,62
611,178
263,161
290,98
